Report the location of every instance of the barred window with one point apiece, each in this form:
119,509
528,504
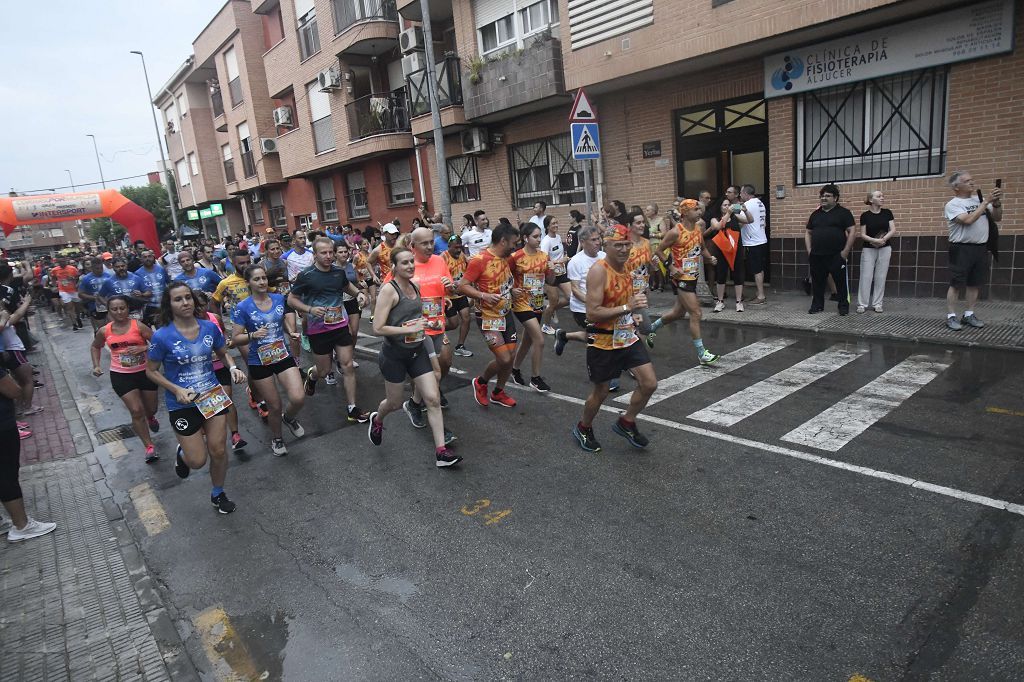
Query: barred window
463,180
399,181
545,170
326,200
358,202
892,127
278,218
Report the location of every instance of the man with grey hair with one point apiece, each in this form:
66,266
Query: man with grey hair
579,265
968,218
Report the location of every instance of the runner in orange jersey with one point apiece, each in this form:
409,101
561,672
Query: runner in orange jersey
531,270
458,310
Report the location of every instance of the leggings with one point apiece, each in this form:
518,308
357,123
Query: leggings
10,457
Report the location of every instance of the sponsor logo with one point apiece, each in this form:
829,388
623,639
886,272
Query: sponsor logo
181,424
792,68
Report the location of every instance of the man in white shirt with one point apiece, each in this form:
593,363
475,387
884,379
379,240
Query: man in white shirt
477,236
538,214
968,219
754,238
169,260
579,265
298,257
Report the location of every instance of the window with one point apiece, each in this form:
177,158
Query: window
229,164
463,181
358,206
216,101
320,116
326,201
234,80
182,105
399,181
309,37
193,163
278,218
498,34
888,127
305,222
245,145
538,16
255,208
545,170
171,119
273,27
181,170
349,12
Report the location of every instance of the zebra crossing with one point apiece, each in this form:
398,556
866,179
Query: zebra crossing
833,427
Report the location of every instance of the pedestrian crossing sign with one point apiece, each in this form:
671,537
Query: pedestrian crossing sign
586,143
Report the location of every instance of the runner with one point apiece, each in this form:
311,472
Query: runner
262,323
685,242
89,287
126,284
196,277
127,340
640,262
202,304
65,276
380,256
275,267
196,403
155,278
317,292
297,259
531,270
579,266
559,292
406,352
343,259
612,308
13,309
457,313
488,281
231,291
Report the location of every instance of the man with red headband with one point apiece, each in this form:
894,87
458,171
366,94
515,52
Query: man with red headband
686,243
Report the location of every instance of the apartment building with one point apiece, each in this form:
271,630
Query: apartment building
702,94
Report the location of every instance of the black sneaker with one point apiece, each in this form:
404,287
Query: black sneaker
309,384
237,442
223,504
585,437
517,376
447,458
539,384
633,435
180,467
357,415
449,436
415,412
376,430
444,402
814,311
560,340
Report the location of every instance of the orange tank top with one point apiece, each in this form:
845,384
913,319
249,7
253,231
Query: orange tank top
686,254
128,350
618,332
384,259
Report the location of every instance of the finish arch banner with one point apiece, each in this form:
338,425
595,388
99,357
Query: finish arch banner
55,208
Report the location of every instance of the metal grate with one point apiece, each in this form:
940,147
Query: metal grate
117,433
915,329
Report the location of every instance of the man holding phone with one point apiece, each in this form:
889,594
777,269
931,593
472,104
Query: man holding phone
968,217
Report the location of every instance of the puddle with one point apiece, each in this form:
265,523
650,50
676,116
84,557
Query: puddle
244,647
397,587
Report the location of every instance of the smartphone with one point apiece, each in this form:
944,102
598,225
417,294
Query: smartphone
999,183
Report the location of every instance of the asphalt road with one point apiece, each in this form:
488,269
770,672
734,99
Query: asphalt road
785,544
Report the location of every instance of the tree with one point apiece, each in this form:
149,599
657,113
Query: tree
153,198
106,229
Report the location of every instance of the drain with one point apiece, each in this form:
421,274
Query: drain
116,433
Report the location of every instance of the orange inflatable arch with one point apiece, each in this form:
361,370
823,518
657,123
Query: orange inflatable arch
104,203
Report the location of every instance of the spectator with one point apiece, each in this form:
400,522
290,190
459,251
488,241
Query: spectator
829,238
572,242
538,215
968,217
877,226
754,231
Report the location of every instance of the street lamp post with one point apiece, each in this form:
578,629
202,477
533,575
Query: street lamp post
100,165
71,179
160,146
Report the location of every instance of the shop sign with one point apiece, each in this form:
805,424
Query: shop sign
205,213
216,209
193,215
652,150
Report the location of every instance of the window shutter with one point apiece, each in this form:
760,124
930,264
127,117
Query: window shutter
488,11
231,63
591,21
319,102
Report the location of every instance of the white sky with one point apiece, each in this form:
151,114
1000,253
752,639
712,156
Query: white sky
66,70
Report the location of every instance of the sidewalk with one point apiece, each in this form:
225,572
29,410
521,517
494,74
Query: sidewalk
78,603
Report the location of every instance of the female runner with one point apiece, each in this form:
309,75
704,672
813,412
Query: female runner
531,269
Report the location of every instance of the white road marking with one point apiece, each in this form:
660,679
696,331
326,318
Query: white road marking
851,416
766,393
908,481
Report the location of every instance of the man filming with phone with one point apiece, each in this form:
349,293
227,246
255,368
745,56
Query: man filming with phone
968,216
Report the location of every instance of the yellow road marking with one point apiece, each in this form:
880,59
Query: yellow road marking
227,652
150,511
1003,410
93,404
117,449
857,677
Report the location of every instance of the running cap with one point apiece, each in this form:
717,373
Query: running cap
390,228
688,204
616,233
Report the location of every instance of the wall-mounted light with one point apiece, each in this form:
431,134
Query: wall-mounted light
780,191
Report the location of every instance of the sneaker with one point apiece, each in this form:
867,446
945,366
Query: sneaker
449,436
223,504
547,329
154,424
447,458
462,351
415,412
480,392
262,411
814,311
613,385
357,415
330,379
560,340
499,396
277,447
376,430
151,455
37,384
309,385
5,525
739,306
585,437
845,310
32,529
444,402
972,321
861,309
539,385
879,309
180,467
650,339
719,307
252,401
708,358
22,425
237,443
294,426
24,433
953,323
759,301
35,409
633,435
517,376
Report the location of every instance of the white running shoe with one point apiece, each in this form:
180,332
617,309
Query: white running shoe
330,379
719,306
32,529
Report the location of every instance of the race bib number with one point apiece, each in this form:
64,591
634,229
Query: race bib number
623,335
131,359
135,314
493,324
333,315
432,308
690,269
272,352
534,283
284,287
212,401
412,337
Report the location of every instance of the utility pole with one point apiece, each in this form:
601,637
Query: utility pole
98,164
435,114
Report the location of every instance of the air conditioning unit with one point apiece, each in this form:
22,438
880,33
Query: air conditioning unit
268,145
283,116
475,141
413,62
329,80
411,40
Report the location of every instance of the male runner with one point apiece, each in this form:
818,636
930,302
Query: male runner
66,278
155,278
579,267
126,284
381,254
458,311
196,277
88,291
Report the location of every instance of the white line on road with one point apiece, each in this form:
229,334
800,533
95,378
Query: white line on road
730,362
763,394
851,416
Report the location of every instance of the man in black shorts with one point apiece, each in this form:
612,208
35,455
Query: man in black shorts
968,218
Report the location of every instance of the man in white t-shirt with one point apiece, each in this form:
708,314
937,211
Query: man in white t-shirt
169,261
754,238
477,236
579,265
538,214
298,258
968,219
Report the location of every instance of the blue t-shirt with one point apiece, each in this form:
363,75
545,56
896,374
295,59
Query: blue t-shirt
188,364
440,245
156,280
204,280
92,284
248,315
124,287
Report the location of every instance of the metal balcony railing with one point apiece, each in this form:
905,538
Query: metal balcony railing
449,86
229,170
217,101
348,12
248,165
378,113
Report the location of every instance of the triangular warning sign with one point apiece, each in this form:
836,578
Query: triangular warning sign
582,111
586,144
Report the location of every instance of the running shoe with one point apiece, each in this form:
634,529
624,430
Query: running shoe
632,434
517,376
499,396
355,364
650,339
480,392
154,424
447,458
22,425
223,504
462,351
35,409
262,411
32,529
739,306
24,433
449,436
613,385
560,340
444,402
719,307
330,379
585,437
237,443
37,384
539,384
252,401
294,426
547,329
5,525
309,385
415,412
972,321
708,358
180,467
376,430
151,455
357,415
277,447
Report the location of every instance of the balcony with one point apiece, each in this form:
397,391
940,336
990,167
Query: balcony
229,171
377,114
323,135
248,165
449,96
378,26
235,90
217,103
516,82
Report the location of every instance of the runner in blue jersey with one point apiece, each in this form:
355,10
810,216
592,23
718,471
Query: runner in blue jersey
127,284
155,278
185,347
89,288
196,277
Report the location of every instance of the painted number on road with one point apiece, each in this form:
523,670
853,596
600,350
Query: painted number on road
491,517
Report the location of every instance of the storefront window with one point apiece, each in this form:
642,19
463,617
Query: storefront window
545,170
